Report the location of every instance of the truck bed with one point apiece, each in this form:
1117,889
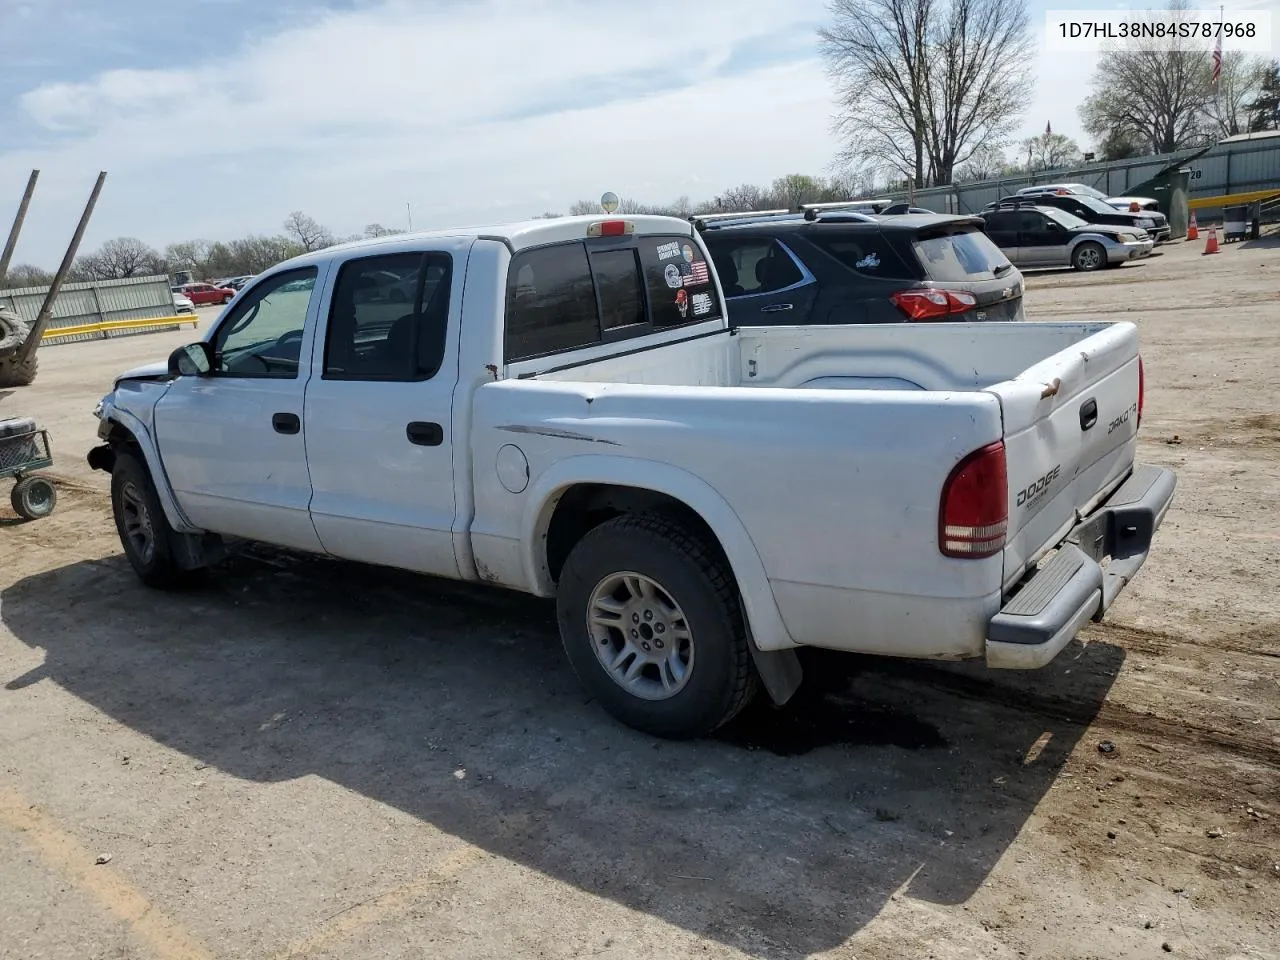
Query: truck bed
857,428
937,356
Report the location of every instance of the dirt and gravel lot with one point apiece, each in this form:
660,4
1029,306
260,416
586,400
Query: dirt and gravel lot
313,759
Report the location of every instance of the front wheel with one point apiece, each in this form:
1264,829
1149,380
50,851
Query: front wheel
144,530
650,621
1089,256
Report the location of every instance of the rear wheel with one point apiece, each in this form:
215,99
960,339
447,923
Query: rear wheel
650,621
1089,256
144,530
33,497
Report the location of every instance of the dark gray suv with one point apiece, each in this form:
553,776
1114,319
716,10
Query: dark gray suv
831,267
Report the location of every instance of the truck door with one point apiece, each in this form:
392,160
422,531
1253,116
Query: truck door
232,442
378,409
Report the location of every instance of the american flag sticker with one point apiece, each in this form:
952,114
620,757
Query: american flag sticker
697,274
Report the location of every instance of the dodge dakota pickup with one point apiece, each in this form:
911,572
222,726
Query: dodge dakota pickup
560,407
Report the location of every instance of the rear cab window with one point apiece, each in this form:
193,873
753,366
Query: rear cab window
958,254
565,296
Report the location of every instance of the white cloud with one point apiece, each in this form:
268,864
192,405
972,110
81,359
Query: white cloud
477,110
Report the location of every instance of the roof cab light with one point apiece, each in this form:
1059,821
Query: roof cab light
611,228
974,516
930,304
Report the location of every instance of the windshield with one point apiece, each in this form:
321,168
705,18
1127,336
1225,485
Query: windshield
1097,206
1068,220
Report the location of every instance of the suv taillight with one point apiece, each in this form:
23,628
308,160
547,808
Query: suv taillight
927,303
974,517
1142,391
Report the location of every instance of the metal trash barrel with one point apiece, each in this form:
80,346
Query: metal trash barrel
1235,222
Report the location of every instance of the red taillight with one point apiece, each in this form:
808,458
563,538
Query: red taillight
974,517
1142,391
931,304
610,228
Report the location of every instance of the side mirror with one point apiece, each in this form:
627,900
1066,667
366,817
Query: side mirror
193,360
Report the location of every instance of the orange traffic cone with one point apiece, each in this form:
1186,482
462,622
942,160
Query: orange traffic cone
1193,231
1211,245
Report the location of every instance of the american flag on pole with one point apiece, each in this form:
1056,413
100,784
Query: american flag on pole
1217,60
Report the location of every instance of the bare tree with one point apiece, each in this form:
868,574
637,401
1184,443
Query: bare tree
921,84
745,196
1238,87
1155,97
190,255
120,258
986,162
26,275
1050,151
309,234
378,230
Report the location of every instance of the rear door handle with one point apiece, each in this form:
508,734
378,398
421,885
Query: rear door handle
425,434
1088,414
775,307
286,422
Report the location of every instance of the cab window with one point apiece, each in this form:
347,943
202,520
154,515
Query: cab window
569,295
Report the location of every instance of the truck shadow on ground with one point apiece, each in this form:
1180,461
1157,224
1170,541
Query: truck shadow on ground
781,837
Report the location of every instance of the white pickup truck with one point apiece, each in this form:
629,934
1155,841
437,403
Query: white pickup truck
558,407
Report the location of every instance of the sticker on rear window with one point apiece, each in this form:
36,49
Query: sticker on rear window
687,251
671,273
869,262
667,251
682,303
697,275
701,303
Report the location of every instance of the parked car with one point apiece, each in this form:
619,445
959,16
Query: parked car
836,267
897,209
234,283
1032,235
1093,210
1083,189
202,294
183,304
1134,204
585,426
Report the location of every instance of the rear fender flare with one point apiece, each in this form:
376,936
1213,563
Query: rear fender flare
764,620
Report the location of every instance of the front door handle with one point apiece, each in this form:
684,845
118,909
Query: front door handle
775,307
286,422
1088,414
425,434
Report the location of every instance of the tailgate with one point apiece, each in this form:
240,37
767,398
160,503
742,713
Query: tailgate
1070,425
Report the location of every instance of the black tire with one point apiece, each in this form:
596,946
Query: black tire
15,374
722,678
33,497
1089,256
134,501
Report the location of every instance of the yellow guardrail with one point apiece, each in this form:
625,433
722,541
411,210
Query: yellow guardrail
1233,199
104,326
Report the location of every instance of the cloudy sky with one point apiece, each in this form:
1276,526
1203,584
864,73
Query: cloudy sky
215,118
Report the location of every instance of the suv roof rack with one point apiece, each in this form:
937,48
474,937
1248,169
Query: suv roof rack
702,220
811,210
